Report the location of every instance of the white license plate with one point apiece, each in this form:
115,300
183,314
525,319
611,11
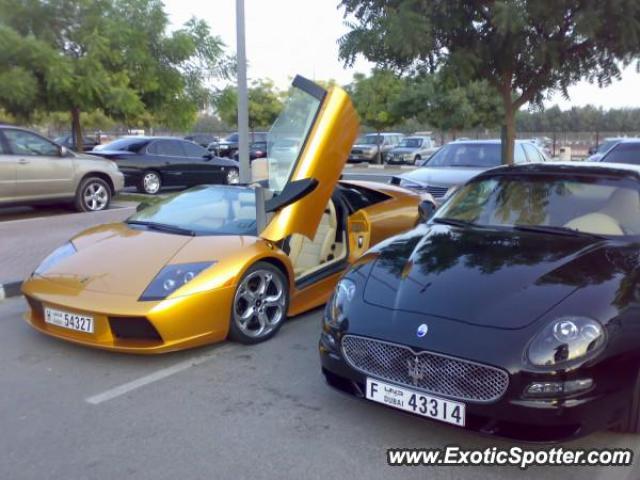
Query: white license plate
72,321
416,402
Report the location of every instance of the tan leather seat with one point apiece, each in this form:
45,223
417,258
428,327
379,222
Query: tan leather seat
306,254
597,222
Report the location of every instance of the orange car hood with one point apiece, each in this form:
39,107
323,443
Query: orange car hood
119,260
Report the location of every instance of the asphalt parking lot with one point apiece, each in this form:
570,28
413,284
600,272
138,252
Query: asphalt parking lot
226,411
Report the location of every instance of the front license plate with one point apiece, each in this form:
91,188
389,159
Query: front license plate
72,321
416,402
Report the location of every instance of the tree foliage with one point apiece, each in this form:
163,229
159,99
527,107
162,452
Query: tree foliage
265,103
450,106
376,98
114,55
580,119
523,48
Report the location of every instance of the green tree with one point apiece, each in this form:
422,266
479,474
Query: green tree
523,48
83,55
449,106
265,103
376,99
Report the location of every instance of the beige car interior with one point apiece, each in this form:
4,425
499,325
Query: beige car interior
327,247
620,215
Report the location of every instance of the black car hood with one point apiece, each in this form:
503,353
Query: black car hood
493,278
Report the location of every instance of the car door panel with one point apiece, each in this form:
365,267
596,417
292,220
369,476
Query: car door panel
40,170
321,157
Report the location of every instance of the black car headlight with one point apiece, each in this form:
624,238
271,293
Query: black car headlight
342,296
566,339
55,257
171,278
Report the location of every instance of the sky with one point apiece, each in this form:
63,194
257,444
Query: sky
289,37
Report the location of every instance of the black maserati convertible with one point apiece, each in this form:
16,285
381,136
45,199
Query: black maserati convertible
150,163
514,310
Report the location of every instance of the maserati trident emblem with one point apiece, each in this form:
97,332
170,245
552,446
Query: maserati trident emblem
415,372
423,329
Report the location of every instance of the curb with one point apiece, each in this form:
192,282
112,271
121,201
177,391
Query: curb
10,289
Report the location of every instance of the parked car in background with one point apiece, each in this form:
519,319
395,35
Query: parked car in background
88,142
411,150
596,153
624,151
457,162
202,139
373,147
256,150
34,171
150,163
229,146
513,311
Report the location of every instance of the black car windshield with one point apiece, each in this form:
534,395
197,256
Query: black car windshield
589,204
204,210
126,145
606,145
467,155
411,143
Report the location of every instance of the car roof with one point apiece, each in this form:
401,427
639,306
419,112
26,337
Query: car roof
621,169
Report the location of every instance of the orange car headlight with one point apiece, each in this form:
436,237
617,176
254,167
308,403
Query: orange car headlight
171,278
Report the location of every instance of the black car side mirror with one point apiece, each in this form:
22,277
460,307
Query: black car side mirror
426,210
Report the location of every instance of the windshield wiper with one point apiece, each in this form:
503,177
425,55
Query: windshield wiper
556,230
163,227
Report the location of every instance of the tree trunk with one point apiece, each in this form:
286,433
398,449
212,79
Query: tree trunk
508,134
76,129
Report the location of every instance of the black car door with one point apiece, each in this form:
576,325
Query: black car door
168,157
203,169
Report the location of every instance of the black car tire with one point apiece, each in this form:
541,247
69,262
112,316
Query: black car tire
150,182
242,304
93,195
631,421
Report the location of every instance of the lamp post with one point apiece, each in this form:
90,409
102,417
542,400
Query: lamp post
243,100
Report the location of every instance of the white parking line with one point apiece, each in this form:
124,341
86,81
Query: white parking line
154,377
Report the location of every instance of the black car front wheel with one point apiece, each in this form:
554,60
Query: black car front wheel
150,183
93,195
259,305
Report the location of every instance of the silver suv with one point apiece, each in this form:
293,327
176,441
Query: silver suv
373,147
35,170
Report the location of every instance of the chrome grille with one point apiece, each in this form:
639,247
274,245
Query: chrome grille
426,371
437,192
